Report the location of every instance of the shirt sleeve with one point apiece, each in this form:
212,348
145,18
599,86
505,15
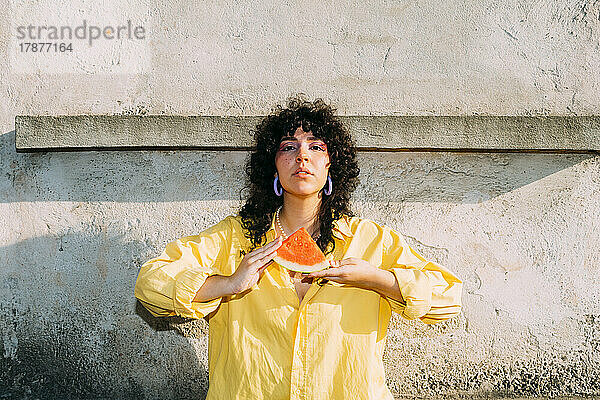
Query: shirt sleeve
167,284
431,292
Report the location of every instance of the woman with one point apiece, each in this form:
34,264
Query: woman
275,334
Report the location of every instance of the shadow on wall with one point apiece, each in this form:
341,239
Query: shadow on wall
166,176
186,327
69,330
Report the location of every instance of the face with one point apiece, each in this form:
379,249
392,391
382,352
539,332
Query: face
302,163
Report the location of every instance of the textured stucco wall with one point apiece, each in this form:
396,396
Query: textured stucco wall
522,230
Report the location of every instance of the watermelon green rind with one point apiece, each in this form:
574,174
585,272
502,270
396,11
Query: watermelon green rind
292,266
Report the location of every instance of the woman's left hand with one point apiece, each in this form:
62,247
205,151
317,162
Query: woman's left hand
352,271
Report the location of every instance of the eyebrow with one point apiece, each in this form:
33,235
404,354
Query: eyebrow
293,138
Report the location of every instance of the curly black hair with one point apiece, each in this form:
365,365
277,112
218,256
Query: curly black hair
316,117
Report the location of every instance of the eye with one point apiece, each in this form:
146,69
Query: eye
286,147
320,147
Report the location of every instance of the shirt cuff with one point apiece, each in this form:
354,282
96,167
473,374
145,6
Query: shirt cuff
187,285
416,291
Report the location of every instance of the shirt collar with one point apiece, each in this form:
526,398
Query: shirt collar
339,226
342,225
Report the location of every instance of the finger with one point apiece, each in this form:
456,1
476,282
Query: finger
264,260
347,261
262,269
271,245
266,249
274,243
326,273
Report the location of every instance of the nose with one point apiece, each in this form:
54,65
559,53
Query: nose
302,154
302,157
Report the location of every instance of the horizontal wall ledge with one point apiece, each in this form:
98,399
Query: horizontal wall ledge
577,134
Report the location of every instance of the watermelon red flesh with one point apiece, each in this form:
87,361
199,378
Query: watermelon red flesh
299,252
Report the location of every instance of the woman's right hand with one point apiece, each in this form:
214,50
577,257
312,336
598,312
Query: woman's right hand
253,266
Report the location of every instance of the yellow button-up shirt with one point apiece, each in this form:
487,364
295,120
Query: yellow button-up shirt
266,344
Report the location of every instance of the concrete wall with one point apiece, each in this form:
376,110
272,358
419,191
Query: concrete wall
521,229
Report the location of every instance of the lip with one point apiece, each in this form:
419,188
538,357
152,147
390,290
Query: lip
302,170
302,176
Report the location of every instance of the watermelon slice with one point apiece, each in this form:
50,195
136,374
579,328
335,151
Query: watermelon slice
299,252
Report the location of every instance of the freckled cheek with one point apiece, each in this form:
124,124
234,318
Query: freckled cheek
280,156
283,160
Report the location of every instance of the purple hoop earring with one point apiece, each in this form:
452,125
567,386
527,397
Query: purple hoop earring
276,189
327,191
